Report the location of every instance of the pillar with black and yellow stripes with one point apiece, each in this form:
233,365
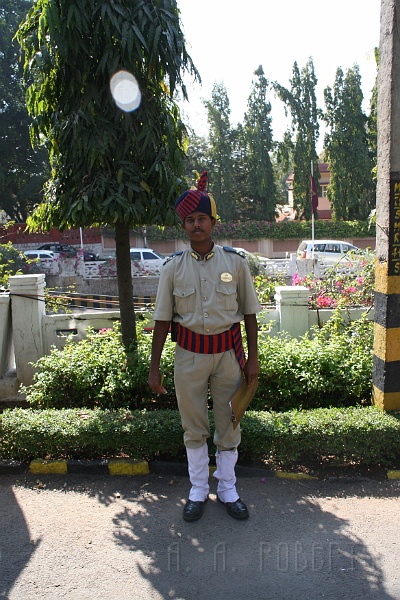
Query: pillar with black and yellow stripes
386,370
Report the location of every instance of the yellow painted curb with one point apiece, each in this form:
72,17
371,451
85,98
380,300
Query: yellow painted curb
128,466
297,476
57,467
393,474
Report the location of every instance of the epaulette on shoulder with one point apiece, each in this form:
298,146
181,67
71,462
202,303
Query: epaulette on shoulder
171,257
230,249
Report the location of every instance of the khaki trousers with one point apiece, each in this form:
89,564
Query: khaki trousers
194,375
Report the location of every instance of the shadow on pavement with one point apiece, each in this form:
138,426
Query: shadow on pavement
313,539
16,545
289,548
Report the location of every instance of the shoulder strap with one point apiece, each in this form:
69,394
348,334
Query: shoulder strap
171,257
230,249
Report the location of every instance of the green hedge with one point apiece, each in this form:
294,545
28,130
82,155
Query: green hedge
251,230
366,436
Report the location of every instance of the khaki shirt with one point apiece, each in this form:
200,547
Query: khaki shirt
207,296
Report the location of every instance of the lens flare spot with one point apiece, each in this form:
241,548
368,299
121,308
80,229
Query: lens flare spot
125,91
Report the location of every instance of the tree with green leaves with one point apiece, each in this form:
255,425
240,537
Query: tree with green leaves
23,169
301,101
220,151
258,139
351,190
241,196
196,157
107,166
282,162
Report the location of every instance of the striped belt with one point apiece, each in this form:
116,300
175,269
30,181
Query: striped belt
212,344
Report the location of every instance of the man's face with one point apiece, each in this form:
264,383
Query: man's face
198,226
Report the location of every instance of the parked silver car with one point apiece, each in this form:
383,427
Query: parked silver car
330,251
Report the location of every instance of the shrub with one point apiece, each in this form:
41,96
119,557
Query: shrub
95,372
353,435
87,434
366,436
318,370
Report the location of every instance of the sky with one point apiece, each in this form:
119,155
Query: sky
229,39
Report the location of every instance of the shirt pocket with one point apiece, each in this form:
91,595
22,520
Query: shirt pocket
185,300
226,296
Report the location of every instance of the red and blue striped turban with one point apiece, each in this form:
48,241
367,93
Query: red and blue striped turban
196,200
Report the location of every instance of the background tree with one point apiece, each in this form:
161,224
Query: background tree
301,101
23,170
241,195
258,140
196,158
351,190
108,166
282,162
220,151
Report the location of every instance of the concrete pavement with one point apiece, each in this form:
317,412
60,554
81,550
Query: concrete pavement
81,536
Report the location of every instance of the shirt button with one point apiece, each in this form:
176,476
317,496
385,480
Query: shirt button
206,315
203,280
207,330
204,297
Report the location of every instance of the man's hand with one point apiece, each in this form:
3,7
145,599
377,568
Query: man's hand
251,370
156,382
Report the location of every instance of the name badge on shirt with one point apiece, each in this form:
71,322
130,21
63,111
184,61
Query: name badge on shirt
226,277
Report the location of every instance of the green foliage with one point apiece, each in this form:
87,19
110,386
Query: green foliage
108,166
265,287
258,140
301,101
22,169
89,434
284,230
351,190
220,151
365,436
96,372
11,263
317,371
334,436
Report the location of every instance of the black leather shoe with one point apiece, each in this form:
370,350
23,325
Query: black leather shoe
237,509
193,510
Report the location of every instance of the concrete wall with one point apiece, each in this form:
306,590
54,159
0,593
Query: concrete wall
142,286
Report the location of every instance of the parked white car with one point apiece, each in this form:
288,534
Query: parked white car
46,260
147,259
330,251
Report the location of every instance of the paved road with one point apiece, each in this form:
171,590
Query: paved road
100,537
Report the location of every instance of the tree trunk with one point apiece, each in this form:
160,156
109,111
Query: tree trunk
125,287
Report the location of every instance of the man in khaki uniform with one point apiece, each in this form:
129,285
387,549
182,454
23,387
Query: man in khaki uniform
206,291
